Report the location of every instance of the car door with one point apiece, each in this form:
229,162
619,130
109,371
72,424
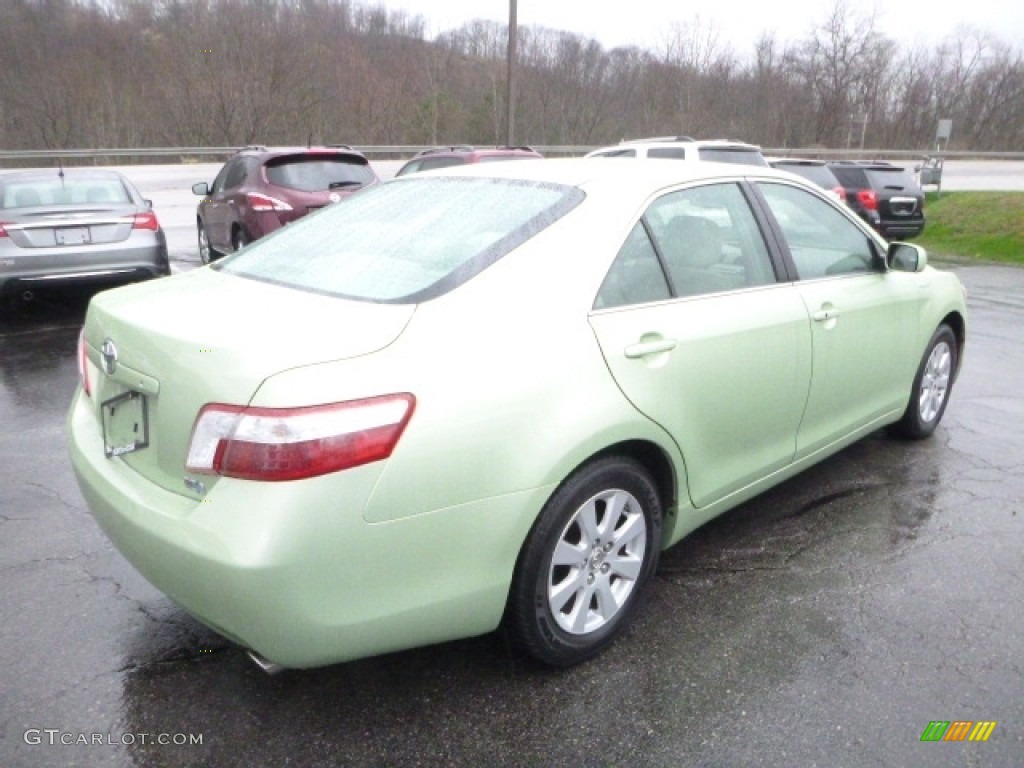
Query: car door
703,339
863,317
225,201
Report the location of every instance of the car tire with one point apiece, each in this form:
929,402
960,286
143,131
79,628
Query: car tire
239,239
582,570
206,251
932,385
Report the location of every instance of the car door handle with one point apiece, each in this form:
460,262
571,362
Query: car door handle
645,348
824,314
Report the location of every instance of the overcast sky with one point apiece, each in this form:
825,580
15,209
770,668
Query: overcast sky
740,22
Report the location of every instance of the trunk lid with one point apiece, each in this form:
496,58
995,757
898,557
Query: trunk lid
202,337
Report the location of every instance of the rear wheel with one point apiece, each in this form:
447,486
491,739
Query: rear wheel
239,239
583,567
206,252
931,386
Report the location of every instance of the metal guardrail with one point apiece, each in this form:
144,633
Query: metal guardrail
396,151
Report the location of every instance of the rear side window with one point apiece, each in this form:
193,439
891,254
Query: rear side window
406,241
672,153
851,177
617,153
737,156
309,173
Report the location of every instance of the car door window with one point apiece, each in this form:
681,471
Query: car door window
822,241
218,183
709,240
636,276
236,173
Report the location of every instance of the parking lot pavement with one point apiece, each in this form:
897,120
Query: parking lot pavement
827,622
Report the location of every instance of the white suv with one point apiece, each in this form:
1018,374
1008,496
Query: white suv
685,148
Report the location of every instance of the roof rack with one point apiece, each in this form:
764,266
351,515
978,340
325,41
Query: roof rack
658,138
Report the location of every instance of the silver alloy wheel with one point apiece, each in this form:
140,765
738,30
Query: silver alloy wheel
597,561
935,382
204,246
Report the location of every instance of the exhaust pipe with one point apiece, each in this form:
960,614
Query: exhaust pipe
267,666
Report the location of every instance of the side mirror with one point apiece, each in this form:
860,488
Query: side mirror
202,189
906,257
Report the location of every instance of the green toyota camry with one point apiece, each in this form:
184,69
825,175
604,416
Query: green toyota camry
490,396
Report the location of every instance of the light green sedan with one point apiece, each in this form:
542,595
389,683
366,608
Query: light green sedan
489,397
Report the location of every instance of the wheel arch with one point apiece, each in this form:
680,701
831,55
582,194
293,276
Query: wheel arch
958,325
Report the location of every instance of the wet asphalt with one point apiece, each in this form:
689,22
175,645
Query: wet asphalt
825,623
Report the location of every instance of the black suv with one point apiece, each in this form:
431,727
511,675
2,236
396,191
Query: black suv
460,154
261,189
884,195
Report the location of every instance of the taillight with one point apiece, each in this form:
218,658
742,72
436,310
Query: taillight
146,221
83,364
868,199
275,444
3,230
260,202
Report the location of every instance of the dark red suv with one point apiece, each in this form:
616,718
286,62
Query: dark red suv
259,190
445,157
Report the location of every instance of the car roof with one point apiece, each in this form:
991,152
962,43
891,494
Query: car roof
584,172
794,161
325,149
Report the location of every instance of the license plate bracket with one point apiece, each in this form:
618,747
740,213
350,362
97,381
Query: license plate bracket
72,235
125,421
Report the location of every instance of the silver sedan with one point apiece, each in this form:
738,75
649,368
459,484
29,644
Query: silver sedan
67,227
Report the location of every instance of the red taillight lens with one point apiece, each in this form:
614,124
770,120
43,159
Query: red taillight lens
868,199
274,444
83,364
3,230
146,221
260,202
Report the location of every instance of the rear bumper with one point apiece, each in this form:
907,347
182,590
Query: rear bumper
293,571
36,269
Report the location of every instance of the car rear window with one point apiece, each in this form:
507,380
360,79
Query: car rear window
895,179
317,173
406,241
24,193
738,156
851,177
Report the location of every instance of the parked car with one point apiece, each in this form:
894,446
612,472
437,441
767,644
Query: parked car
685,148
884,195
816,171
490,396
462,154
259,190
64,227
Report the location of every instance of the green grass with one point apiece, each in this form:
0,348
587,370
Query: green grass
978,226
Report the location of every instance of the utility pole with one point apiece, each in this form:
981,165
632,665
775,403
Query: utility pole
510,91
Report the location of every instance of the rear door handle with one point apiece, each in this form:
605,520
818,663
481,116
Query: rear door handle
824,314
645,348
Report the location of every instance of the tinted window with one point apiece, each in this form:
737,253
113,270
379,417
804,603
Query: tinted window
822,241
850,177
309,173
819,174
617,153
674,153
896,180
235,173
406,241
737,156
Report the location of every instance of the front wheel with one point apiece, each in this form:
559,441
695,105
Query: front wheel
206,251
583,567
932,384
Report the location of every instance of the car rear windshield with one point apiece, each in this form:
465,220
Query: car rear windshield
738,156
819,174
317,173
24,193
406,241
895,179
